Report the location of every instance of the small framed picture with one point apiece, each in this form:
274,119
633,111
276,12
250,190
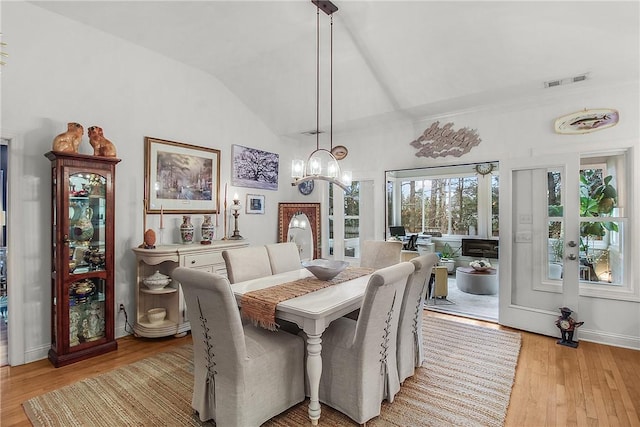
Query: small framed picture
255,204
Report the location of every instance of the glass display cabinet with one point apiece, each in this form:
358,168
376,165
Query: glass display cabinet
82,258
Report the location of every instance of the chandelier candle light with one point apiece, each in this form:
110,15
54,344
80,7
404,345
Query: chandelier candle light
315,167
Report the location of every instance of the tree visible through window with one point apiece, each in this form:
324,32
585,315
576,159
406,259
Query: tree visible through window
444,205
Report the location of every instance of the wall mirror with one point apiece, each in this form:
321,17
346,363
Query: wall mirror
300,223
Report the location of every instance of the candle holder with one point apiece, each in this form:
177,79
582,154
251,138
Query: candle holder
236,213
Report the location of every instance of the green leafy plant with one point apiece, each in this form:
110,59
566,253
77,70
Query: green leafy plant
597,198
557,246
448,252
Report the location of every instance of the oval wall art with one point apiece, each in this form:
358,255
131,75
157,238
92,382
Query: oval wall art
586,121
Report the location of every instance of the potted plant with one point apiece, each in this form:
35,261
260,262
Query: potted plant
555,264
447,256
597,198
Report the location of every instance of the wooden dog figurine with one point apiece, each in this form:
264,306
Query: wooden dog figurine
70,140
101,145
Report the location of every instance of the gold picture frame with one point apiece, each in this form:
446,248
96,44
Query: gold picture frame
180,178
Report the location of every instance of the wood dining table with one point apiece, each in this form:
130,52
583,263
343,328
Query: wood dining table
312,312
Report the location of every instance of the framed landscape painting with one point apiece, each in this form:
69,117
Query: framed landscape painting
254,168
181,178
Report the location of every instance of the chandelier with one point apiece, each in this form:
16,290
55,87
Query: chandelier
322,163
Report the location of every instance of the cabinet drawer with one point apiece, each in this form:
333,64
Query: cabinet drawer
200,260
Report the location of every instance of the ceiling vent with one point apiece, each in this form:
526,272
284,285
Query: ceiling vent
567,80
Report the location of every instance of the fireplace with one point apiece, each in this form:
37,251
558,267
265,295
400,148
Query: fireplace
480,248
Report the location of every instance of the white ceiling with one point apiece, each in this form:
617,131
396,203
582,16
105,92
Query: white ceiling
392,59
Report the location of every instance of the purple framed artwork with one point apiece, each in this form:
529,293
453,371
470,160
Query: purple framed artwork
254,168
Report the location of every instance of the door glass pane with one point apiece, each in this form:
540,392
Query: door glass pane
556,251
555,209
86,311
530,206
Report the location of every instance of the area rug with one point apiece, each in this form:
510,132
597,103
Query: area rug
465,380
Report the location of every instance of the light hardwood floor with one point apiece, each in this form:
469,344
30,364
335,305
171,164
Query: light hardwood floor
593,385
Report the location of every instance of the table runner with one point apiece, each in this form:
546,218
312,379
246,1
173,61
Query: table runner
260,306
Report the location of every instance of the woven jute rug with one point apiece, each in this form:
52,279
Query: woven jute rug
465,380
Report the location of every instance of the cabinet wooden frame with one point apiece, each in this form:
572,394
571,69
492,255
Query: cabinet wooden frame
63,275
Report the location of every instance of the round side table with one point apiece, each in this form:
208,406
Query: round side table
477,282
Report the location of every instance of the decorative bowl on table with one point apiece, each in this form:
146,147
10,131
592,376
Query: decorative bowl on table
325,269
156,281
480,265
156,315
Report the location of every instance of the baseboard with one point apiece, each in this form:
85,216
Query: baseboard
37,353
42,352
616,340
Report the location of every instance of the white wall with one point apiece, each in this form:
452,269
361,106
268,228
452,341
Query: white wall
522,129
62,71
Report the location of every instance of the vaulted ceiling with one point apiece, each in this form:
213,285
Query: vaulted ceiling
391,59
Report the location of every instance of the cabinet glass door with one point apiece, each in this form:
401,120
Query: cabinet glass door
87,211
86,311
87,234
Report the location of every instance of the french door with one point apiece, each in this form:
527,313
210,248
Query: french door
539,197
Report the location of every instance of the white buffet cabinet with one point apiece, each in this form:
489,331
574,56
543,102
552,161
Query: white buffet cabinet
165,259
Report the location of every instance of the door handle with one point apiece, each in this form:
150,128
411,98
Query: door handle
571,244
572,257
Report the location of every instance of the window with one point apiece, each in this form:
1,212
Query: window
351,218
602,224
446,201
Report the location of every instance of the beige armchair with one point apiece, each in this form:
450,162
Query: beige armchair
410,353
283,257
380,254
243,375
359,368
247,263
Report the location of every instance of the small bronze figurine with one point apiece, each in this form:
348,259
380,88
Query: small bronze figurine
567,326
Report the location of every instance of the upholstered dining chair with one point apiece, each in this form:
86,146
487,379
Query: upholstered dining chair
283,257
359,367
247,263
243,375
410,353
379,254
